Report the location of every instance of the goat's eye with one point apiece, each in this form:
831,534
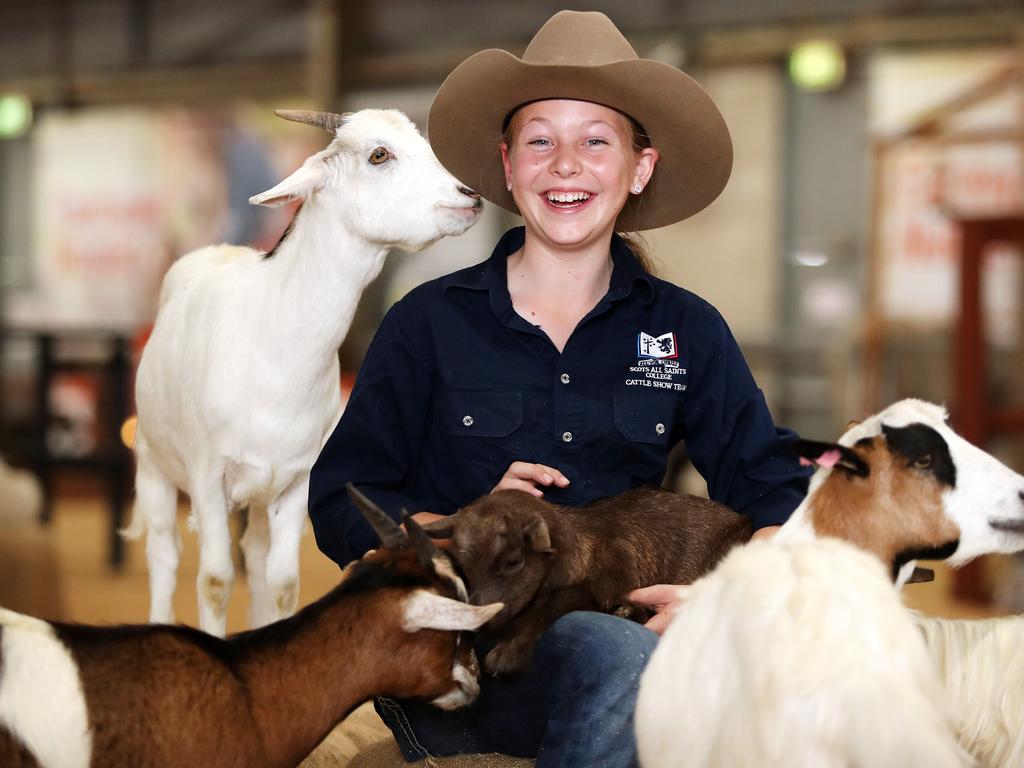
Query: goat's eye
923,462
379,155
512,565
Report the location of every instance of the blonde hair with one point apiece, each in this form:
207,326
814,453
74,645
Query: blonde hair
641,140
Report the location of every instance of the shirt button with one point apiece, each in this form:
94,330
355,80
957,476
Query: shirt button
467,420
564,378
659,428
567,437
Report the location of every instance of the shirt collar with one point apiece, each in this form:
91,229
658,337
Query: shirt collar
492,274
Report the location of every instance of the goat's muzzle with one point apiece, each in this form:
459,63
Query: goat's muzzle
466,677
1008,526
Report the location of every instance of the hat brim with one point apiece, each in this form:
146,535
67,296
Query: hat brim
685,126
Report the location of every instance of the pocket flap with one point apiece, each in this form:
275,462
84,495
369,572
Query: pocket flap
645,417
480,414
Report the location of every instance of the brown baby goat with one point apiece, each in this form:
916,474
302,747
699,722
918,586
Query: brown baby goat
543,561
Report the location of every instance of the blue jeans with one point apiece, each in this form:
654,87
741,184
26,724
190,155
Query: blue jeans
573,708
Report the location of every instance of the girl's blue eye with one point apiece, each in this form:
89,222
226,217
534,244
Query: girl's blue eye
595,142
537,141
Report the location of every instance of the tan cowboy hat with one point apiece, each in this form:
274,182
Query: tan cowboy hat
583,56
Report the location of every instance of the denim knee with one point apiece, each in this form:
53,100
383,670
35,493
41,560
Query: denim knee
597,644
592,663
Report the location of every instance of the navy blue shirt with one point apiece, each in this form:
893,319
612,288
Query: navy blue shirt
456,386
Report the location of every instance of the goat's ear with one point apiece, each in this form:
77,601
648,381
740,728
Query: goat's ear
426,610
539,536
441,529
831,456
308,178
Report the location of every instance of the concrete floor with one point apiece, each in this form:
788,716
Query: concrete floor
60,572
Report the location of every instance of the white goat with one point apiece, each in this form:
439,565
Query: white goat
981,667
795,654
238,386
73,696
797,651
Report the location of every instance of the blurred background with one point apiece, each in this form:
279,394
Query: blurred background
867,247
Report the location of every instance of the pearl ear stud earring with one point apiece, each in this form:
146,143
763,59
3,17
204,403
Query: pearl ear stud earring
638,189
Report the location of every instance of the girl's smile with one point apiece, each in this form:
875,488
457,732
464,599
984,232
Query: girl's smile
572,165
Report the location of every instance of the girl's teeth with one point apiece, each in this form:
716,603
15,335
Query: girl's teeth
568,197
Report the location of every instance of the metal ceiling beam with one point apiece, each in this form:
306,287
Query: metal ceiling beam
256,18
714,47
291,77
767,42
196,85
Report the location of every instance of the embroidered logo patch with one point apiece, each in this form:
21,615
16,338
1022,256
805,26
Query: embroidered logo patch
656,347
658,365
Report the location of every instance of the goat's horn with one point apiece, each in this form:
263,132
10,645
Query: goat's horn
391,536
328,121
426,550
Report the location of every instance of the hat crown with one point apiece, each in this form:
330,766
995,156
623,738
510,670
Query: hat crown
578,38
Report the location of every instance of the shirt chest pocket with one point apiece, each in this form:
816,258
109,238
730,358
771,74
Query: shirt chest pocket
645,417
480,425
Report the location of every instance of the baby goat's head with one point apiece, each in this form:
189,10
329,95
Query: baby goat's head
502,543
383,179
434,598
904,485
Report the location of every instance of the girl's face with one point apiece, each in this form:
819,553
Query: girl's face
572,165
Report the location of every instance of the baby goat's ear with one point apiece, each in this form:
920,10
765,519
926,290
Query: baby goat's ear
310,177
441,529
426,610
539,536
831,456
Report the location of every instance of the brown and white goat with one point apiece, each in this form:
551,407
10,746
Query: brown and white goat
903,485
543,561
73,696
797,651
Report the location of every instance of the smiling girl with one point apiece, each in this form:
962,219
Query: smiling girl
559,366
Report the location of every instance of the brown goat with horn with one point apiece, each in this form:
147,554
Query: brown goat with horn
159,695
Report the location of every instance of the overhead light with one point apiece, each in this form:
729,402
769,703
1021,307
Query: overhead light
810,258
817,65
15,115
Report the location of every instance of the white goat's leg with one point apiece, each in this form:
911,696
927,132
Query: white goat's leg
255,546
287,516
156,503
216,571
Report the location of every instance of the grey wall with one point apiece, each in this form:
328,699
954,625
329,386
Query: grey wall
826,178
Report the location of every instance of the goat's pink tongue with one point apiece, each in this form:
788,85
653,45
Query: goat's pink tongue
828,459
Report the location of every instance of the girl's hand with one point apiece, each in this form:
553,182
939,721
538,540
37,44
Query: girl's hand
428,517
664,599
523,476
765,533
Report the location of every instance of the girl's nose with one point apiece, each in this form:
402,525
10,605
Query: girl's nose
565,163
